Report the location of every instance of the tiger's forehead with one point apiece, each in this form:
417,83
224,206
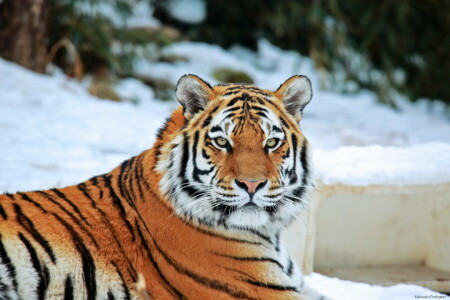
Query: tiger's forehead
230,89
244,106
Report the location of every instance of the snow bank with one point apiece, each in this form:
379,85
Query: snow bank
338,289
376,165
53,133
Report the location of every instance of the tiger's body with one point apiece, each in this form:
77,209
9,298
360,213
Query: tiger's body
199,215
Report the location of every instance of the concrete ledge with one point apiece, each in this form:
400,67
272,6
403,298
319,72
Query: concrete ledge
378,234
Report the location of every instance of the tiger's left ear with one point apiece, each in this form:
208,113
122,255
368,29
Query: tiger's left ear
193,93
295,93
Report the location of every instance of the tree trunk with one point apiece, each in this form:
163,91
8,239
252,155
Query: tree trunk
23,32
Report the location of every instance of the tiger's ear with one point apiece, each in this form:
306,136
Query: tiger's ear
296,92
193,93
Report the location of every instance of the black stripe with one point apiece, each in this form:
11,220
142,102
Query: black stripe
28,225
142,178
231,93
172,290
304,162
243,87
189,189
75,208
225,211
3,213
276,129
94,181
138,178
163,128
124,286
271,210
86,260
243,97
131,179
211,283
216,128
290,267
207,121
10,196
82,187
258,259
118,204
5,260
122,183
285,123
260,113
194,156
197,172
230,239
74,219
4,291
300,191
277,242
261,109
68,289
271,285
231,109
127,184
111,296
28,199
256,232
43,275
292,172
205,155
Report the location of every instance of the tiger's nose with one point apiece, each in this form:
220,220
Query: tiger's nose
250,185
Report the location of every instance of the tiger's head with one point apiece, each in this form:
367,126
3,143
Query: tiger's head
239,159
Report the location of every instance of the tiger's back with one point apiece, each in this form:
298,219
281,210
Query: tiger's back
199,215
63,244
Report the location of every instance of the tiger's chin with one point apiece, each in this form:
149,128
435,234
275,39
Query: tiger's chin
248,218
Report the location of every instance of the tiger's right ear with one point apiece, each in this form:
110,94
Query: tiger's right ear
193,93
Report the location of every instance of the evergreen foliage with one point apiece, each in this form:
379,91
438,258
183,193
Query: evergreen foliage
91,33
377,44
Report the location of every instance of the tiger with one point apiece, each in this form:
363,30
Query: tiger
197,216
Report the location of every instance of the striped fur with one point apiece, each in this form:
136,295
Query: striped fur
176,214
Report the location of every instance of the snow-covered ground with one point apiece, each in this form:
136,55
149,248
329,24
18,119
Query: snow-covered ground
53,133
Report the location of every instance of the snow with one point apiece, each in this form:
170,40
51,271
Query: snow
427,163
141,14
53,133
338,289
188,11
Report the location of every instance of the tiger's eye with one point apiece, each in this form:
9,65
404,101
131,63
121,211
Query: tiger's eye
271,142
221,142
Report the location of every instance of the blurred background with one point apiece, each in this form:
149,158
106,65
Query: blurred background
384,46
85,84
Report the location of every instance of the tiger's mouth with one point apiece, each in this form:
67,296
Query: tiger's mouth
248,215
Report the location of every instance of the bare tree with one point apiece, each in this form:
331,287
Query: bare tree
23,32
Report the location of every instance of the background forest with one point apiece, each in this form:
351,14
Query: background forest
384,46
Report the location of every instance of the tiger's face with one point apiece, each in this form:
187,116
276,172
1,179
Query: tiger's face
241,160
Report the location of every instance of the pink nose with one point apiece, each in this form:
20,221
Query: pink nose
251,184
